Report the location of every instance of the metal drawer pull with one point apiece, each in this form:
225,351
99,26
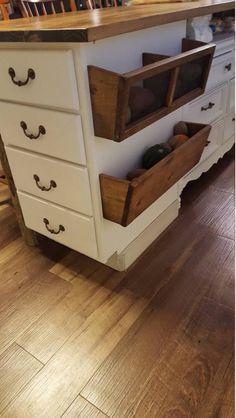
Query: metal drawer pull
207,143
31,76
209,106
228,66
233,120
53,184
52,231
42,131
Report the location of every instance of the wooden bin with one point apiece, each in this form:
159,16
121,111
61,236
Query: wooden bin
124,200
110,91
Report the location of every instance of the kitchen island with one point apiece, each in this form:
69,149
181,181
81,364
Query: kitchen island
64,86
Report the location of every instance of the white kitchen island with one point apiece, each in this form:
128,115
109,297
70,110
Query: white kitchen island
48,129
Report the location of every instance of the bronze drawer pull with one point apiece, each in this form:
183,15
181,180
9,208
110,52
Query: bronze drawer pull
42,131
31,75
228,66
53,184
52,231
209,106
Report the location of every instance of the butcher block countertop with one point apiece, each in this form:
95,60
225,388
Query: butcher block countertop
87,26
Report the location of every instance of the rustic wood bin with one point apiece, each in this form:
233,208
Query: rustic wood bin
110,91
124,200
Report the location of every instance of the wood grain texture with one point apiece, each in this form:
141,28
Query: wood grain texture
87,26
123,200
81,408
17,367
110,90
156,341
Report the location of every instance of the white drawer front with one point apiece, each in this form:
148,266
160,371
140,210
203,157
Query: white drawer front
208,108
72,184
229,126
78,234
222,70
54,83
63,136
231,104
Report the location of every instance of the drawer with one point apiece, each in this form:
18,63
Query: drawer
231,104
123,200
47,78
208,108
229,126
222,69
71,188
142,96
62,136
62,225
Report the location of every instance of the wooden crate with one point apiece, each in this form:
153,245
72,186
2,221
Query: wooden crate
110,91
124,200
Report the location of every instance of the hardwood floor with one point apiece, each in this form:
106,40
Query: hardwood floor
78,339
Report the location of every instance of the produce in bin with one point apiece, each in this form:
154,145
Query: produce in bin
157,152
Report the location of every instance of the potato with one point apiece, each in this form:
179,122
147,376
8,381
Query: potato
177,140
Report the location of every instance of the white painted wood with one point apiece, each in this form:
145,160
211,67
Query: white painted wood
219,72
193,111
131,253
72,189
54,85
215,139
224,43
231,101
63,138
124,52
229,126
206,164
79,231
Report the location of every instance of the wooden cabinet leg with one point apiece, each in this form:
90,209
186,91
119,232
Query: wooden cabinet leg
29,236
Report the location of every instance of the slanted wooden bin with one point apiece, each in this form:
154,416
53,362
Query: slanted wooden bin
110,91
124,200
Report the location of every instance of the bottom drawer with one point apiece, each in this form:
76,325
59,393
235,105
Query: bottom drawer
124,200
62,225
229,126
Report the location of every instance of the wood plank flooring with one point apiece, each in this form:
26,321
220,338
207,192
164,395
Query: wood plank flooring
78,339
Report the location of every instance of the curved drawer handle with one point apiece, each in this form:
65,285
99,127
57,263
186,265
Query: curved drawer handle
228,66
52,231
30,76
209,106
42,131
53,184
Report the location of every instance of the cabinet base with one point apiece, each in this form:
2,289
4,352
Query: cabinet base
131,253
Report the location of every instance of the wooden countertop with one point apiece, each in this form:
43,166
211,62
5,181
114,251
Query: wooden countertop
87,26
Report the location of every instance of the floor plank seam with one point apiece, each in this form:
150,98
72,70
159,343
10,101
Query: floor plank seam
32,355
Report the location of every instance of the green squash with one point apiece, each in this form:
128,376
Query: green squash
153,155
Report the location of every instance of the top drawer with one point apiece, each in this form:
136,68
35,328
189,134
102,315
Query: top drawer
47,78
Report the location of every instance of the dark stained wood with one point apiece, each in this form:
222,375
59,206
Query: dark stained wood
87,26
156,341
124,200
110,90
